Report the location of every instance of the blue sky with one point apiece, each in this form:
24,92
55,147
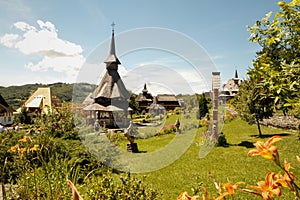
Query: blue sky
77,28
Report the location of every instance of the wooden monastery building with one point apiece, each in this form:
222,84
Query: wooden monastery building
231,88
41,101
108,103
146,101
6,112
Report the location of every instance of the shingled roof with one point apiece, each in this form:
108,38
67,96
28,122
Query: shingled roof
144,96
4,107
111,85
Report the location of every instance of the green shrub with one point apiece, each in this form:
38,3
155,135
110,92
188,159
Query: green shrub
177,110
118,188
169,129
222,142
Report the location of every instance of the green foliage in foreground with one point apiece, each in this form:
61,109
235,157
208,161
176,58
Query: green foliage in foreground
225,163
41,173
276,65
36,164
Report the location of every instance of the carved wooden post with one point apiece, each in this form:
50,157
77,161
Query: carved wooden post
215,98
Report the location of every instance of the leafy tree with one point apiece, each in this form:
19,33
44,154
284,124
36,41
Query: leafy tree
24,117
277,63
133,103
254,103
203,105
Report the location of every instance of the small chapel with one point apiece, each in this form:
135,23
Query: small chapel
161,101
109,101
6,112
231,88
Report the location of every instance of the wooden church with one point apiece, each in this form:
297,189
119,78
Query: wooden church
109,101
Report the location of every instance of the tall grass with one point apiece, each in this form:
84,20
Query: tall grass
224,162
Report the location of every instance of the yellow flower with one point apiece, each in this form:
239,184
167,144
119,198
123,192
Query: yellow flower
185,196
24,139
288,178
21,150
34,148
266,189
14,148
231,188
266,150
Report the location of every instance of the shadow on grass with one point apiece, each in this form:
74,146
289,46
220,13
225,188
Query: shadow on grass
271,135
246,144
142,152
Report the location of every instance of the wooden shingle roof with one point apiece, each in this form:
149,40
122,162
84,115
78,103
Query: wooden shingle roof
4,107
111,85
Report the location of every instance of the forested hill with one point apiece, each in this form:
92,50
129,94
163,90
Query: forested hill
15,96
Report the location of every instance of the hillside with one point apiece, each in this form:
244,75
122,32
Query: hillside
15,96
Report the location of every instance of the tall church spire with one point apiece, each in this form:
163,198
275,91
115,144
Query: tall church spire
145,91
236,75
111,60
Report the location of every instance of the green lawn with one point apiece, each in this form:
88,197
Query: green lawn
223,162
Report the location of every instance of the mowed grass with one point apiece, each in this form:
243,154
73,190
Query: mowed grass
224,163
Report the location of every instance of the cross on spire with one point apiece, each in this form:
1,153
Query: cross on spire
113,26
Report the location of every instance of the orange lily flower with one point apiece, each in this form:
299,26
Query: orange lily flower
21,150
185,196
13,148
24,139
34,148
230,189
288,178
266,149
267,188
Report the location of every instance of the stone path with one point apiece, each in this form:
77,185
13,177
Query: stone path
281,121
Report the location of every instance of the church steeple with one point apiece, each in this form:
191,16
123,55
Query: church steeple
111,60
236,75
145,91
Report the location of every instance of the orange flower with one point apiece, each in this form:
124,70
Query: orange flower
266,150
231,188
287,179
185,196
34,148
14,148
21,150
266,189
24,139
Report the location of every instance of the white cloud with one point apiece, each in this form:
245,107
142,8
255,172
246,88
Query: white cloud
9,40
57,54
64,64
24,26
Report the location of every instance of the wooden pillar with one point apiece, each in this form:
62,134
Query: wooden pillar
215,96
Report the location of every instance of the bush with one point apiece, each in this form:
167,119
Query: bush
167,129
222,142
109,188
